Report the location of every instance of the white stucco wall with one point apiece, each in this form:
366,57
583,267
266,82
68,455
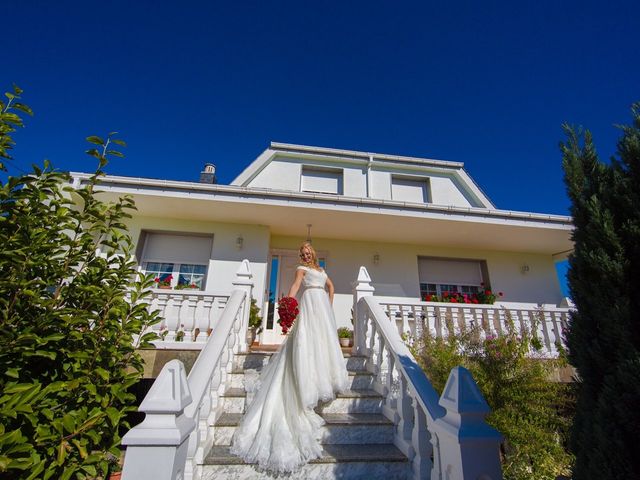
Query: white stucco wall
380,184
280,175
283,173
355,182
397,270
226,258
445,192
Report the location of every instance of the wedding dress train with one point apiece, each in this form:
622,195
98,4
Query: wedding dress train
280,430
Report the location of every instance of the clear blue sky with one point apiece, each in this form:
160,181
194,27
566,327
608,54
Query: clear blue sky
485,83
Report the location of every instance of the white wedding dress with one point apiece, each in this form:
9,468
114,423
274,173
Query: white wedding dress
280,430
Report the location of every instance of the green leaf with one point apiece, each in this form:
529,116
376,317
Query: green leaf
95,140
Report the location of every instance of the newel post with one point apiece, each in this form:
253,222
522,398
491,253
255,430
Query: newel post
466,446
361,288
157,447
244,282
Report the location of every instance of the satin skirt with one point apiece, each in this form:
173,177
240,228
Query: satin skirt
280,430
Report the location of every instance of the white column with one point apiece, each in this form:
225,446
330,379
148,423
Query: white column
468,447
157,448
361,288
244,282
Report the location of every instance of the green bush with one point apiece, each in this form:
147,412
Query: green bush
527,408
67,327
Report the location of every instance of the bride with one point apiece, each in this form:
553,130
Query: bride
280,430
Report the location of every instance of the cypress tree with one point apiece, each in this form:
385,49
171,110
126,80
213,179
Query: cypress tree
604,279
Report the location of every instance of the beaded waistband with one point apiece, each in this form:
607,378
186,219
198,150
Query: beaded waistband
314,286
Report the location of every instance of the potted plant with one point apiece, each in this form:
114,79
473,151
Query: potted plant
255,321
115,467
345,335
164,282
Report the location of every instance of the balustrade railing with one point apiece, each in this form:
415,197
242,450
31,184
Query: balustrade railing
443,436
180,411
188,317
414,318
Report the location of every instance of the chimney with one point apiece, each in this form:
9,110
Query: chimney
208,174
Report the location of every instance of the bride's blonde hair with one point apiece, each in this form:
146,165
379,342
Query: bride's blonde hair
314,257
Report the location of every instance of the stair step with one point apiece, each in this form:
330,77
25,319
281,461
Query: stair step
256,361
357,379
352,462
340,428
349,401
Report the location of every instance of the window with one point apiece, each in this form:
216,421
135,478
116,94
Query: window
438,276
177,261
409,189
321,180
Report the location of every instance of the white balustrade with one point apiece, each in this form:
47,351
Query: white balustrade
187,408
188,317
412,318
443,437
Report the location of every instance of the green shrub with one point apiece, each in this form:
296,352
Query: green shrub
255,320
526,407
67,327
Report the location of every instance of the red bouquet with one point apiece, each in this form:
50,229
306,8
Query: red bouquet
287,311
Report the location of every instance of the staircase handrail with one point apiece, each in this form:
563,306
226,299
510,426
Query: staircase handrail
177,431
418,381
443,436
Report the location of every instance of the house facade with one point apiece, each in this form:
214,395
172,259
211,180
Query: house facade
421,227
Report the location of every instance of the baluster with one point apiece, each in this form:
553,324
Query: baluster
187,317
487,323
380,362
432,321
421,441
440,321
495,315
171,320
371,363
237,323
203,306
157,304
406,329
479,321
415,326
368,338
557,331
390,400
405,425
543,315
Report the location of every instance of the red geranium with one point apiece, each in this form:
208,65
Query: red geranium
287,311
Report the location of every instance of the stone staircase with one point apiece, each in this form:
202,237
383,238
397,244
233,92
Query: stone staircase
357,439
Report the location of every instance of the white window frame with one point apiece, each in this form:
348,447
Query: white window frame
310,170
447,286
422,181
175,273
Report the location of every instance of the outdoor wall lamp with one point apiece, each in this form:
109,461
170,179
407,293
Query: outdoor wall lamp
376,259
239,242
524,269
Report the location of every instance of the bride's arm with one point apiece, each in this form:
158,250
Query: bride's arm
296,283
331,290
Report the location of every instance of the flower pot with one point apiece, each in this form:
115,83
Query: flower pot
164,287
345,342
115,476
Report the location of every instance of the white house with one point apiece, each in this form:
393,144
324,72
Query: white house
420,226
417,227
